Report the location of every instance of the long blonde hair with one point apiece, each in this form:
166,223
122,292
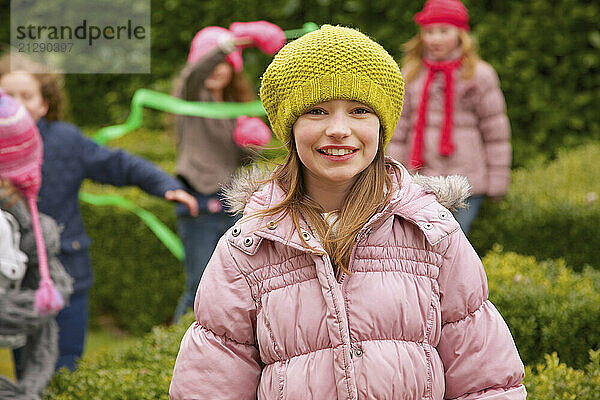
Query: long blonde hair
369,194
412,60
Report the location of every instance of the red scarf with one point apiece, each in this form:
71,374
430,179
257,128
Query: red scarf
446,145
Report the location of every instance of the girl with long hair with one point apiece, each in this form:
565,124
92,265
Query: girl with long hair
454,118
210,150
345,278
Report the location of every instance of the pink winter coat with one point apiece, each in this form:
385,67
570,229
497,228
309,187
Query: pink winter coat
411,322
481,133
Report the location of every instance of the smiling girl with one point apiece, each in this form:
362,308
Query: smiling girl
454,118
345,278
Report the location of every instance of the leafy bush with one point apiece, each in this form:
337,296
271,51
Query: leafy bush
141,371
548,307
556,381
551,211
137,280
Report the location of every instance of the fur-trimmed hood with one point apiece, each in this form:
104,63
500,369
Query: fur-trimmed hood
450,191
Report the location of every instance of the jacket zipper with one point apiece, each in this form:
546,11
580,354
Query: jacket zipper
343,284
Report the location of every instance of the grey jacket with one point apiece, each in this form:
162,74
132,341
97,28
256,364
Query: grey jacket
17,315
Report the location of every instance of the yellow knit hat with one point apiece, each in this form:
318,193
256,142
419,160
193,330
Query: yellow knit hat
331,63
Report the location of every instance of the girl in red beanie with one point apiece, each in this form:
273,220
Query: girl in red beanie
454,117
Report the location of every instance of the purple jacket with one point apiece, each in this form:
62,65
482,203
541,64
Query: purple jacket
413,321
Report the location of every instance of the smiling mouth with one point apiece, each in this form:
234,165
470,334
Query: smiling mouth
336,152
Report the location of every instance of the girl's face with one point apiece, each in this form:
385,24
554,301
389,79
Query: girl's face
26,90
220,77
336,140
440,40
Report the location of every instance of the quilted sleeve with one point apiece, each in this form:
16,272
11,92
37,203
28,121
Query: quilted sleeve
476,347
218,357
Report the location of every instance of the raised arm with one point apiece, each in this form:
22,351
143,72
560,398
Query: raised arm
194,74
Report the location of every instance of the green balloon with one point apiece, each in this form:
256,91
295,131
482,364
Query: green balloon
162,232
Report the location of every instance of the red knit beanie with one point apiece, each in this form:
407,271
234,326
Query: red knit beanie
21,163
451,12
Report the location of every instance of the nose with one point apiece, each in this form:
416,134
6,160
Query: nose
338,126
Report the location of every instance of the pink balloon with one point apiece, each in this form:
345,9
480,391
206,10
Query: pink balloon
267,37
251,132
209,37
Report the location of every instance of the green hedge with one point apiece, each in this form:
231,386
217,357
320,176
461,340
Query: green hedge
548,307
555,380
137,280
143,371
550,80
551,211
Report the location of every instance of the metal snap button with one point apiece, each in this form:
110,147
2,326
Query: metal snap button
305,235
236,231
248,241
428,226
443,215
358,352
271,225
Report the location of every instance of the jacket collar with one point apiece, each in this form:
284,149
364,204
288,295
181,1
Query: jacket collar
417,199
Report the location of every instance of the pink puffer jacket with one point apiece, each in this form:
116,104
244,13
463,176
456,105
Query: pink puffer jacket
411,322
481,133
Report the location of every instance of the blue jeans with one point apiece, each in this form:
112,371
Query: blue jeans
72,330
465,216
200,236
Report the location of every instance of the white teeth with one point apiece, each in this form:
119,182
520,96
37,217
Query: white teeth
337,152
